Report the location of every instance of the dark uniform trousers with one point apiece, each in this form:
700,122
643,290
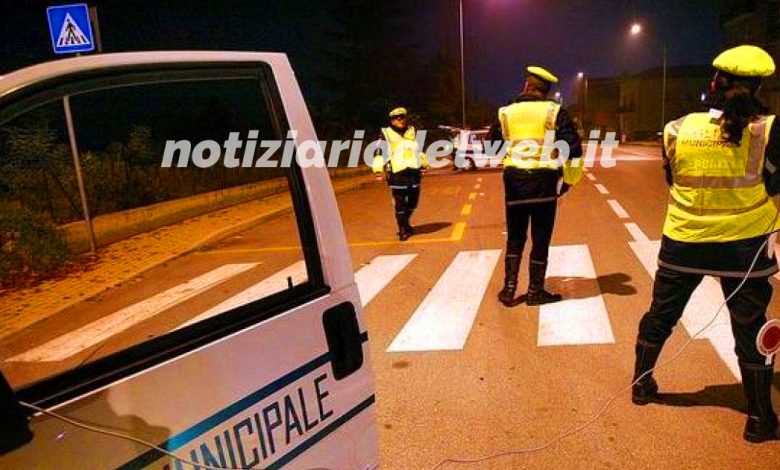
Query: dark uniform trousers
531,200
747,308
541,218
405,186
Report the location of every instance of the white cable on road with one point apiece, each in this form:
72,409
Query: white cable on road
610,401
128,437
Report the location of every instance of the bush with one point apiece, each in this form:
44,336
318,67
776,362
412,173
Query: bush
29,246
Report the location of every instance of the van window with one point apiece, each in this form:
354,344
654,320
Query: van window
188,242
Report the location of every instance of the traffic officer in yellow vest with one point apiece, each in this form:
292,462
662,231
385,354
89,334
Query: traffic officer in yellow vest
722,167
404,168
535,176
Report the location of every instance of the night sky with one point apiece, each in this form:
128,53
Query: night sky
501,36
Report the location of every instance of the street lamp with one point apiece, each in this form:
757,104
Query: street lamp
636,29
582,78
462,71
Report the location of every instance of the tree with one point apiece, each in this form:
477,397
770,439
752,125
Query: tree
366,68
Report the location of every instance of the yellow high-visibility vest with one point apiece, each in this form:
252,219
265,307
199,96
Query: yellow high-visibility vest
403,152
717,192
525,126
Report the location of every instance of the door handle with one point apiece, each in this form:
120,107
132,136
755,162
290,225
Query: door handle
345,343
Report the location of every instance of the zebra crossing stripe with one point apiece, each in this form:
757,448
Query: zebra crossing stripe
704,302
371,279
574,321
376,275
93,333
277,282
445,317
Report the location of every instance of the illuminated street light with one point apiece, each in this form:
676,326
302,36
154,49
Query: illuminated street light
636,28
582,99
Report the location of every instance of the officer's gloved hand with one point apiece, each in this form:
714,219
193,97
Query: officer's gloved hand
563,189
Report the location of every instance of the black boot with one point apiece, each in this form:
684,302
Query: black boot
536,293
761,423
511,268
404,231
646,389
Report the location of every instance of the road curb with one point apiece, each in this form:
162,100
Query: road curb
15,326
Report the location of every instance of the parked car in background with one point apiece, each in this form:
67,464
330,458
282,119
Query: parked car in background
469,150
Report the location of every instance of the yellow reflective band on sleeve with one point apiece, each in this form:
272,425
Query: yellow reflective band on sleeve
378,165
572,171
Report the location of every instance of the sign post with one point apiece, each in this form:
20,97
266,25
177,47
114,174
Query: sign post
71,33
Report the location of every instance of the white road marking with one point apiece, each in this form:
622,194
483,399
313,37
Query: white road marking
619,211
590,176
371,279
277,282
600,188
444,319
479,179
574,321
93,333
636,232
624,158
638,155
705,301
376,275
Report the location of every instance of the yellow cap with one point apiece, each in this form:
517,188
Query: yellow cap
398,112
542,73
745,61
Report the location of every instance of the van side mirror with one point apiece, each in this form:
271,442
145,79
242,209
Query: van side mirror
14,425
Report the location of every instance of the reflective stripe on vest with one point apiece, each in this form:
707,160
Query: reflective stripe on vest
403,149
525,126
718,192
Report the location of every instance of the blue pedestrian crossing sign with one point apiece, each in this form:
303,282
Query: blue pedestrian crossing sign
70,28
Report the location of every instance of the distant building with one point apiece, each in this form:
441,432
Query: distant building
631,105
755,22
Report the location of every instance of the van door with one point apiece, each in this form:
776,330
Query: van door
219,324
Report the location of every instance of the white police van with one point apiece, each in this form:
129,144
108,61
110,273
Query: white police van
278,376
